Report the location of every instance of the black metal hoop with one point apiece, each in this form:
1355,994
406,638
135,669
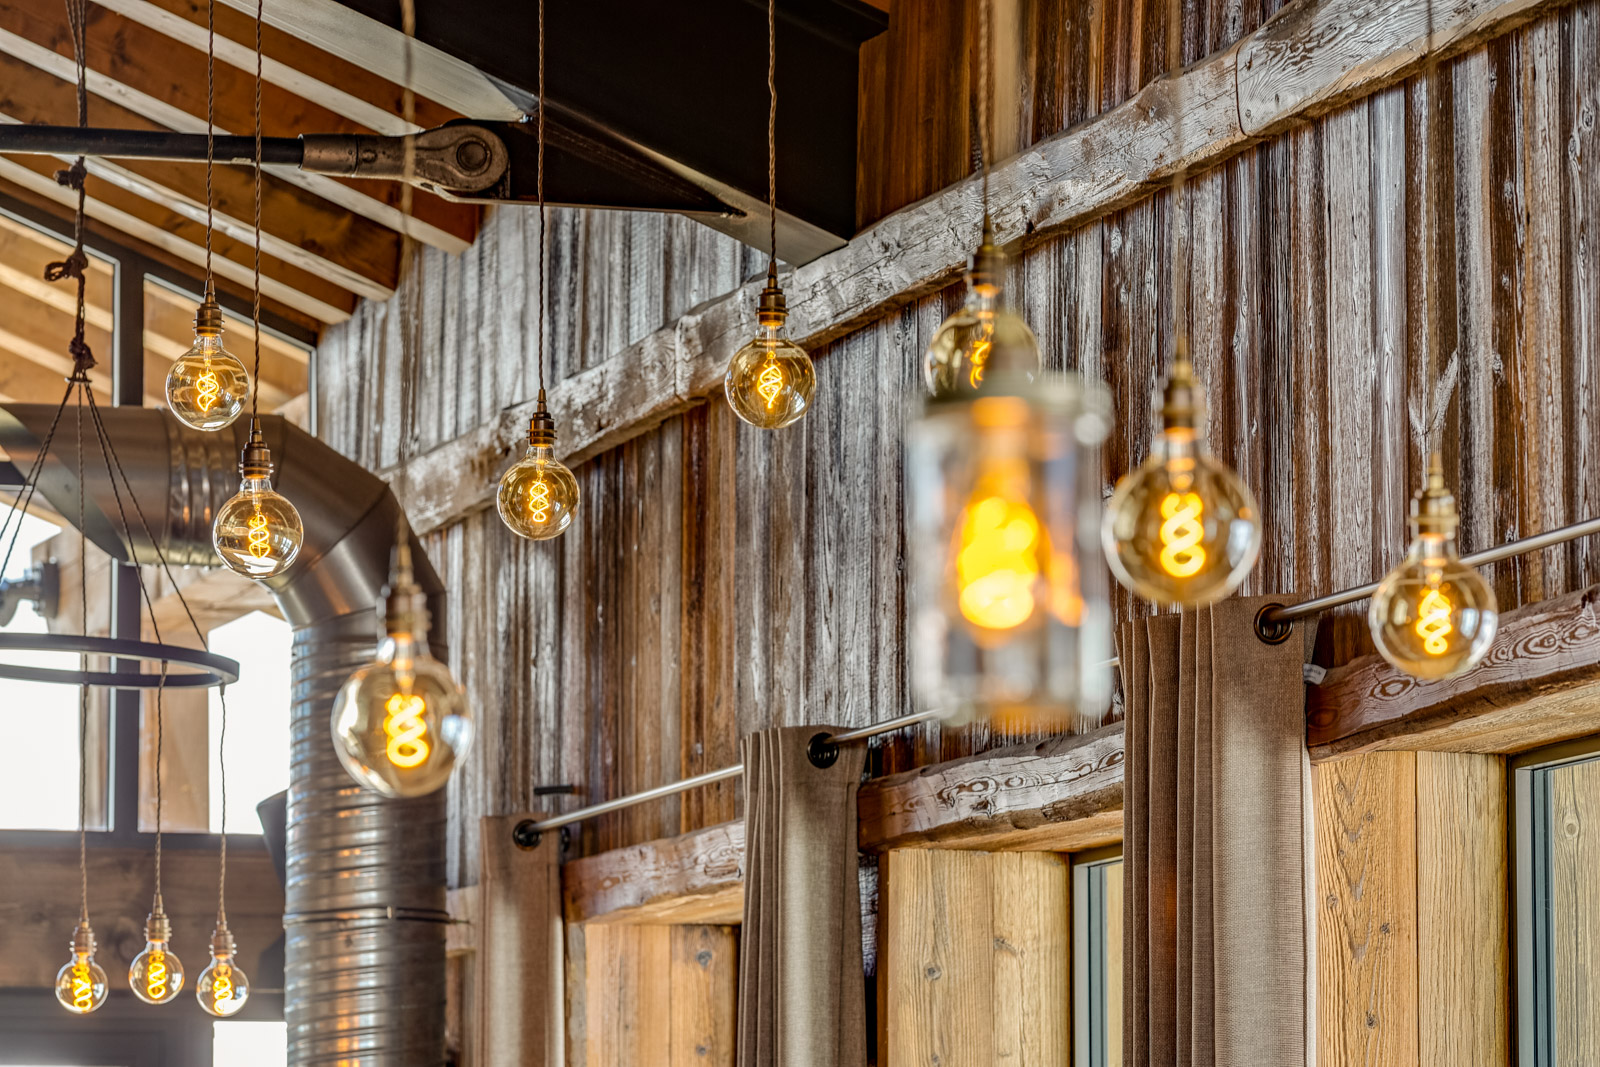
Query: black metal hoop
210,669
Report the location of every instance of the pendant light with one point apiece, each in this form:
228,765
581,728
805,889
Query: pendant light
156,974
770,380
1183,527
258,531
222,988
985,339
538,494
206,386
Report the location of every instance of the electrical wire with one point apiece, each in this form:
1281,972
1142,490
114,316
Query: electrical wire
255,295
211,126
772,132
543,251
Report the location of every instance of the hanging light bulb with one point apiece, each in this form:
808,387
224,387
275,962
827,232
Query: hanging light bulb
1433,616
1182,528
81,984
207,385
983,340
156,974
538,494
771,379
401,722
222,987
257,532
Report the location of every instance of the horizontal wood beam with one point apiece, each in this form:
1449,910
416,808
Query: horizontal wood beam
1539,684
695,878
1321,53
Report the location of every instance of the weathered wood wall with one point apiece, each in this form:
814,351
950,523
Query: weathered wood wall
1343,275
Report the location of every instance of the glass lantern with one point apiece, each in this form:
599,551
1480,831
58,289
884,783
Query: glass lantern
1010,619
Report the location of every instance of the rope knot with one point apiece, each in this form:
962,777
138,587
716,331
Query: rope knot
71,267
73,176
82,356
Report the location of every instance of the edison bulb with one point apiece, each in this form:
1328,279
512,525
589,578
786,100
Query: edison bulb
207,385
81,983
222,987
401,722
770,380
1433,616
977,343
1182,528
257,532
537,495
156,974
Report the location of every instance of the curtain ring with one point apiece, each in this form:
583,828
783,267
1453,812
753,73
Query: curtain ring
822,752
525,836
1272,631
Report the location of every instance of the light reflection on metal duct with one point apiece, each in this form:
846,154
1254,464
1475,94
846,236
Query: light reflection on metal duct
365,893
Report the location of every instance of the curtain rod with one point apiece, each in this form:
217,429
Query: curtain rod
1272,625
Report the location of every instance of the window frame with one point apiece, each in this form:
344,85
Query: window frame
1528,851
131,271
1088,954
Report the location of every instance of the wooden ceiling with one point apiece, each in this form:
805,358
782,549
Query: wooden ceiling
326,241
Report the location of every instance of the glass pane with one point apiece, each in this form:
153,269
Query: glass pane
41,791
258,719
1097,964
250,1044
38,318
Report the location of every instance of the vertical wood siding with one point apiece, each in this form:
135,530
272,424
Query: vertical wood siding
1340,278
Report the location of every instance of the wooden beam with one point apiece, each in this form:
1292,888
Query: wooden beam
148,73
1540,683
1058,795
299,228
1191,121
695,878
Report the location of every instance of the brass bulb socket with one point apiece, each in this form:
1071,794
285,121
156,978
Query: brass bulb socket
1182,403
541,428
222,943
208,318
1433,509
83,938
256,459
772,309
986,267
158,927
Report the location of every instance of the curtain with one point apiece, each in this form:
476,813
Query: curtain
1220,936
521,1003
802,995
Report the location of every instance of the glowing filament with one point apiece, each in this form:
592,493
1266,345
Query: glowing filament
980,362
207,389
82,987
221,987
155,976
1181,533
998,562
406,729
260,539
1433,622
770,382
539,501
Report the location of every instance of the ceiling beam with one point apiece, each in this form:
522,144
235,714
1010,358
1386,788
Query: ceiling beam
150,74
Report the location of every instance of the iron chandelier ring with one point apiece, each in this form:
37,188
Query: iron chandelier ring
210,670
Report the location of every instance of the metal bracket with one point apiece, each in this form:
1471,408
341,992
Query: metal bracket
455,158
41,584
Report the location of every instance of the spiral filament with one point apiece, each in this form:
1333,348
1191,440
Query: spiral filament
1181,532
207,389
1433,622
82,987
407,745
770,383
221,987
980,362
998,562
260,539
155,976
539,501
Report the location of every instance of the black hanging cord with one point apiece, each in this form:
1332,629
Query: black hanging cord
985,61
211,125
772,134
543,254
255,294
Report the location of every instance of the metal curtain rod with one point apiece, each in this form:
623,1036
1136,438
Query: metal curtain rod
1272,625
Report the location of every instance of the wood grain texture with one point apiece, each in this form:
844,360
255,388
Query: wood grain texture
1537,685
1575,907
695,878
1463,936
519,973
1367,967
660,994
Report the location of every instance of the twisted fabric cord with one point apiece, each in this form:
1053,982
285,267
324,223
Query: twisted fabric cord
543,251
772,132
211,123
77,262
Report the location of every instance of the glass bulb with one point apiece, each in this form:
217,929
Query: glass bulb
978,342
207,385
257,532
156,974
1433,616
81,983
222,987
538,495
401,722
770,381
1182,528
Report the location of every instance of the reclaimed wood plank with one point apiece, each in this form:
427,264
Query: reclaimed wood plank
698,874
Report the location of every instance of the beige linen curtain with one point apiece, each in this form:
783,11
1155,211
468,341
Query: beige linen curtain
1220,934
802,997
521,1004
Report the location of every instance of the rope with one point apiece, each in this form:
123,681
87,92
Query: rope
543,251
772,131
255,296
984,87
83,690
77,262
31,482
211,121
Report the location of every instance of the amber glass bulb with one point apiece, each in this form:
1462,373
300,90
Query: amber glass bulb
222,987
770,381
1433,616
257,532
538,495
207,385
975,344
81,983
156,973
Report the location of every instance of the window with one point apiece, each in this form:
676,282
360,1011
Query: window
1097,958
258,719
1557,849
250,1044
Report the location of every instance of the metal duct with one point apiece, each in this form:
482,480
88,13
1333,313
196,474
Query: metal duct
365,892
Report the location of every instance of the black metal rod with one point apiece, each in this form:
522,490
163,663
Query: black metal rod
143,144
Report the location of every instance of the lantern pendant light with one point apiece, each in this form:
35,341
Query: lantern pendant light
984,340
207,385
538,493
770,380
257,532
1433,616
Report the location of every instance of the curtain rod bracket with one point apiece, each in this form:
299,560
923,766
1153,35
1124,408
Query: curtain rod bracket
1271,629
525,835
822,752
